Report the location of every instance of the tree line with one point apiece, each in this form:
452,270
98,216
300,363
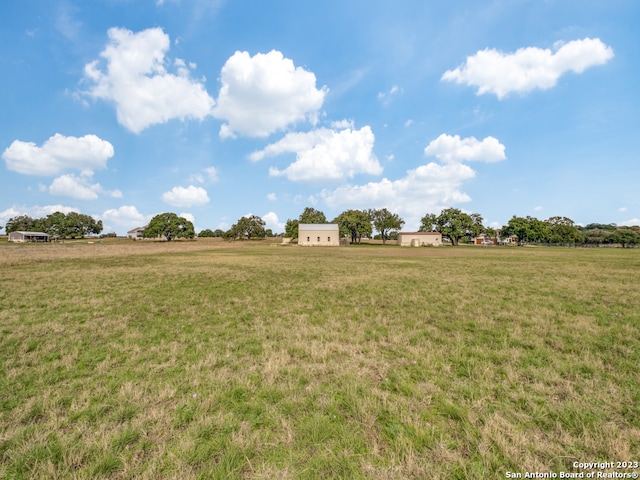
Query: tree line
563,231
455,226
70,225
352,223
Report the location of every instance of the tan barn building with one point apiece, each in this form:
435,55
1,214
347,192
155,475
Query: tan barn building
319,234
419,239
23,237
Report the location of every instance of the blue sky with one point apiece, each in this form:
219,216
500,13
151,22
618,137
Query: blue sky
216,109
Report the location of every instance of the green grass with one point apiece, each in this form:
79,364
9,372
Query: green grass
213,360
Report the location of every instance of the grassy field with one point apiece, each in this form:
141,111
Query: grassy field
244,360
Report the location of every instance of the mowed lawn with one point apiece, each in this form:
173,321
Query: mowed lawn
251,361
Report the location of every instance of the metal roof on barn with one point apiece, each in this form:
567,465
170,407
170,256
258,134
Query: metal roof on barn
329,227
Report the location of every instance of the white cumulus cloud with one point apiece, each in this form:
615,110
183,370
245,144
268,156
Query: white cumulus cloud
188,216
80,187
58,153
386,97
428,188
186,197
342,124
265,93
453,149
126,217
271,220
136,80
208,175
75,187
211,174
45,210
10,212
325,154
631,223
528,68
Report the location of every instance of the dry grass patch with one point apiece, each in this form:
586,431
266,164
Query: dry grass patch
238,360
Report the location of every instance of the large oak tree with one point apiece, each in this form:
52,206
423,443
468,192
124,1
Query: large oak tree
385,222
454,224
248,227
311,215
170,226
355,223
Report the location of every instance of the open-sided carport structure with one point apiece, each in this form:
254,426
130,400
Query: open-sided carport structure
24,237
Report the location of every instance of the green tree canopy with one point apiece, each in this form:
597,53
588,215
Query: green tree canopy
477,227
625,236
454,224
21,223
291,228
72,224
429,223
490,232
562,230
311,215
206,233
527,229
596,236
599,226
79,225
384,221
170,226
354,223
250,227
56,224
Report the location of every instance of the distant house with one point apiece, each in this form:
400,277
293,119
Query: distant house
484,239
419,239
23,237
510,240
136,233
319,234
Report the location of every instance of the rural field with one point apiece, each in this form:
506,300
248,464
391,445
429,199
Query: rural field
244,360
